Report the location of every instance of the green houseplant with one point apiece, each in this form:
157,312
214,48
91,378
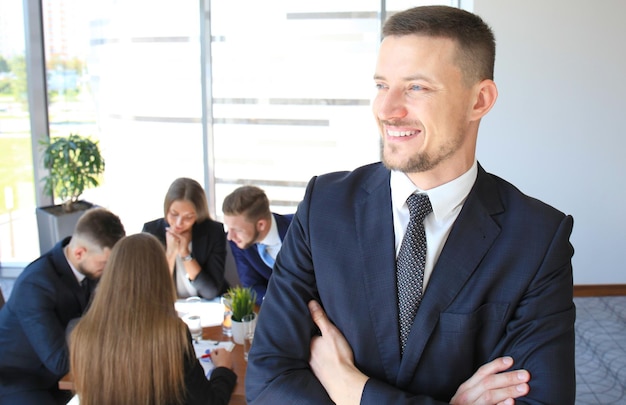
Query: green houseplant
74,164
241,301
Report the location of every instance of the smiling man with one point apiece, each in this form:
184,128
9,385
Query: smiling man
427,279
48,294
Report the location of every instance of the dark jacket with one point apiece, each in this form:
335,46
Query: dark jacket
208,241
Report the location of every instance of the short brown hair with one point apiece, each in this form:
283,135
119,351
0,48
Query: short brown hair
100,227
187,189
475,40
249,201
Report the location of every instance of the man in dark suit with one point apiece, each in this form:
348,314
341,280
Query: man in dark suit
48,294
255,235
496,318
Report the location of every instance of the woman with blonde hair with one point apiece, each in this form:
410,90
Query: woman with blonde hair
195,244
131,347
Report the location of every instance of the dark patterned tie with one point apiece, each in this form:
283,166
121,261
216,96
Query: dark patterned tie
84,285
410,264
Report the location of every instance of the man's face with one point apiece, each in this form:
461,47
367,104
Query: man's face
91,262
422,106
241,231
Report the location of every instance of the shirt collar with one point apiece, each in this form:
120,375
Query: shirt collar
444,198
79,276
272,238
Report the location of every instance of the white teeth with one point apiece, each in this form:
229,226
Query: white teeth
400,133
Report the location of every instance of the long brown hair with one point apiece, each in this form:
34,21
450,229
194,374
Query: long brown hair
130,346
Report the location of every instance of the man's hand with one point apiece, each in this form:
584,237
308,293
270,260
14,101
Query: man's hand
489,385
332,361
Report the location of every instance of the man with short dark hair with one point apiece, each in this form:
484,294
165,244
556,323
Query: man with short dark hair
255,235
428,280
48,294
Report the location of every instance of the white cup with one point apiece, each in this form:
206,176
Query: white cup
194,323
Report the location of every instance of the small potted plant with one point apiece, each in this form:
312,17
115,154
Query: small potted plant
242,301
74,164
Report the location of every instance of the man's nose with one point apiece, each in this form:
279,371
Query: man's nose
392,105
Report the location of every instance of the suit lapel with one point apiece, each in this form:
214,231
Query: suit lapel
472,234
199,240
373,218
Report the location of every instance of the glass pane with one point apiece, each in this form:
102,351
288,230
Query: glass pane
18,226
138,91
292,100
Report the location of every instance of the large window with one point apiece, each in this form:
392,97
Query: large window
291,100
227,92
18,227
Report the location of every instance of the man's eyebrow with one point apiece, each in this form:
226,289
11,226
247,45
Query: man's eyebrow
407,78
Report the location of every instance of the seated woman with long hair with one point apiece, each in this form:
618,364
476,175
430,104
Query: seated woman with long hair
195,244
131,347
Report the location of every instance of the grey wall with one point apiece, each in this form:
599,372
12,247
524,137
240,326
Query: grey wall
557,130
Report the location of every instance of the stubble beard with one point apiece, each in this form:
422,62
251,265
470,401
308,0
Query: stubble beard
81,269
252,241
419,162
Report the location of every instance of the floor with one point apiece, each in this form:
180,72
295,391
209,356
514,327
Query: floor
600,346
600,350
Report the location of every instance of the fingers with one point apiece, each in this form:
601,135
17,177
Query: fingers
319,316
493,384
221,358
493,367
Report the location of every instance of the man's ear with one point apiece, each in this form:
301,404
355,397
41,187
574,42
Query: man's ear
486,95
262,225
78,252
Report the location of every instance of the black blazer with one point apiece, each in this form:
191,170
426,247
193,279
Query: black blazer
502,286
208,241
33,351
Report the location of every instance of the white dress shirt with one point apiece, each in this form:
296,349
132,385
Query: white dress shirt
272,240
446,200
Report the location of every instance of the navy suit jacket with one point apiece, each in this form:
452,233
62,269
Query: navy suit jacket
45,297
252,270
502,286
208,242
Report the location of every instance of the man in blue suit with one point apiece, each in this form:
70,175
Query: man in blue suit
496,318
48,294
255,235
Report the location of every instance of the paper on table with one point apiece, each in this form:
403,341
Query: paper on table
211,312
206,346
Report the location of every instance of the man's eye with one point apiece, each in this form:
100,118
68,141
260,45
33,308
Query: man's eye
416,87
380,86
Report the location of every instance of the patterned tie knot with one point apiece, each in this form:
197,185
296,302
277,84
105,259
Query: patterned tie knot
419,206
